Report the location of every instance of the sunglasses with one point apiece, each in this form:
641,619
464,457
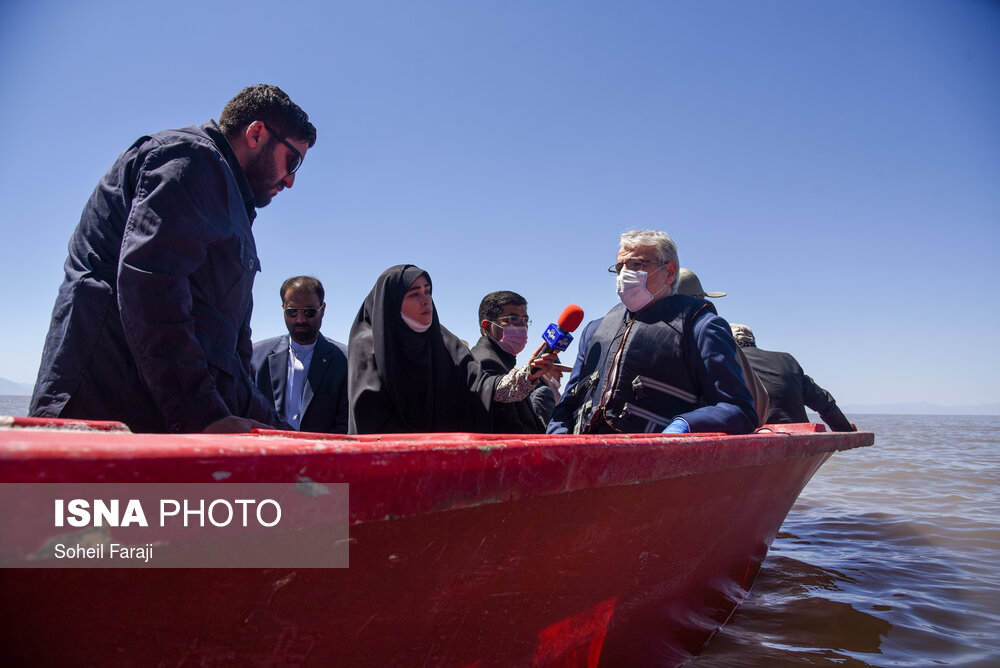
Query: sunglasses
307,312
296,160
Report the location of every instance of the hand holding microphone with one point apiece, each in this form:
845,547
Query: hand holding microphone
557,338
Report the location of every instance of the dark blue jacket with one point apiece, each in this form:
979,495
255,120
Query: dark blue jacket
324,397
678,359
791,390
151,325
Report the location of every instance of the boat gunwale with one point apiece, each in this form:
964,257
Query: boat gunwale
393,476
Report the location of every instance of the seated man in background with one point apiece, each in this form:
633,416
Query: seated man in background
304,373
503,322
688,284
659,361
789,388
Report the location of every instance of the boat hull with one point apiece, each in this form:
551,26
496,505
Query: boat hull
465,550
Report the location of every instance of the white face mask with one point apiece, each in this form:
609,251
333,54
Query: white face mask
417,327
632,289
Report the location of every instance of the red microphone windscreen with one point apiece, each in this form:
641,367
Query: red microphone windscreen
570,318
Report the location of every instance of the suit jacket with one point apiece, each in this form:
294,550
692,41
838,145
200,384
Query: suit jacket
791,390
324,399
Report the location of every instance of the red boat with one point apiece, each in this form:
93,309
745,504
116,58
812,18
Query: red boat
465,549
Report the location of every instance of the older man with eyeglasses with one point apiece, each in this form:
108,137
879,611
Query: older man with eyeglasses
658,361
303,372
151,325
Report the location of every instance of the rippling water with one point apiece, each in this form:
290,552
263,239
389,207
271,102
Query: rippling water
14,405
890,557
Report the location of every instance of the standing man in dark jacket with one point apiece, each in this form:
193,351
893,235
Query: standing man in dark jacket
503,321
789,389
151,326
303,372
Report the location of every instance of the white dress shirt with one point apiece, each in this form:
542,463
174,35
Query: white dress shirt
299,357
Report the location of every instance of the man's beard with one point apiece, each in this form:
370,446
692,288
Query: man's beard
304,336
262,176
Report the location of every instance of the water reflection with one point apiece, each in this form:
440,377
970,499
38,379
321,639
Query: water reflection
891,557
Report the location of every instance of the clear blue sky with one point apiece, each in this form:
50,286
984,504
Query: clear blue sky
833,166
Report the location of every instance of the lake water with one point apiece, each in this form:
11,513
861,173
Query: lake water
890,557
14,405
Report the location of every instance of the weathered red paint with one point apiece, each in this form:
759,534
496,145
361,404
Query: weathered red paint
466,549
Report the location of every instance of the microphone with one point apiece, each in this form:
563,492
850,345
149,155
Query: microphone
557,335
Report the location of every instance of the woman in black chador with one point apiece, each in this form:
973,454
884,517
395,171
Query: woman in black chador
407,373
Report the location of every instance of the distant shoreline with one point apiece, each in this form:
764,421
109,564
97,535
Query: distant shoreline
920,409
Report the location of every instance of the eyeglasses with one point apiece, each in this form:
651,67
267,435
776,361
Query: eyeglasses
307,312
296,160
514,320
632,264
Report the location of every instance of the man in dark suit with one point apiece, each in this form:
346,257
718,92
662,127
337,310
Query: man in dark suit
304,373
790,390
